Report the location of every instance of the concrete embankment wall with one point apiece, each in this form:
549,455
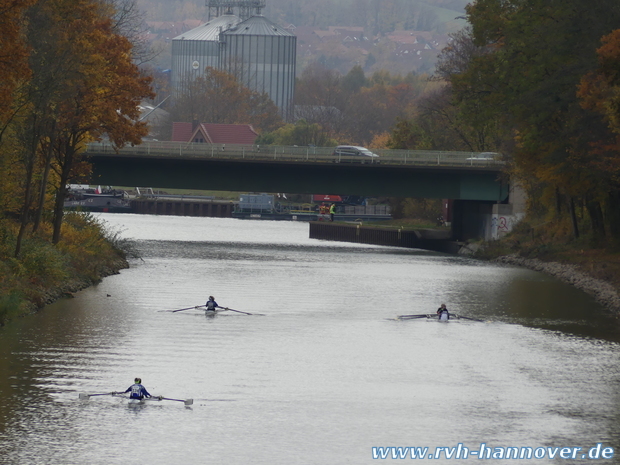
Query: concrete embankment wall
438,240
183,207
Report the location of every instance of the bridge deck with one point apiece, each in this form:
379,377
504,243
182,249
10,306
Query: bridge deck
292,154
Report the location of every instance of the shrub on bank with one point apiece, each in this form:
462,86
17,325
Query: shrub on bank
44,271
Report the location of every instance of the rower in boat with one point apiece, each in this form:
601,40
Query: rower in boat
137,391
211,305
442,313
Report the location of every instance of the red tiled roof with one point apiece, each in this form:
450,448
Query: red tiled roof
228,133
181,132
214,133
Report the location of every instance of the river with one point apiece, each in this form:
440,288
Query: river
324,374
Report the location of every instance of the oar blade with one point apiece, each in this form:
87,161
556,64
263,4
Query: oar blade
472,319
245,313
84,396
185,401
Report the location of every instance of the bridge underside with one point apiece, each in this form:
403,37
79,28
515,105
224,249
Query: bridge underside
329,178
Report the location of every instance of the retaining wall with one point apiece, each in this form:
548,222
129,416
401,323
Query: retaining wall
438,240
213,208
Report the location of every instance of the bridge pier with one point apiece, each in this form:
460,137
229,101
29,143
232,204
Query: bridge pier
476,219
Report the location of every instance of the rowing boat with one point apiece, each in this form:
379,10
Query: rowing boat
214,312
433,316
134,402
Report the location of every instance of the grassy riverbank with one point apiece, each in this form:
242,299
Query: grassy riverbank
45,272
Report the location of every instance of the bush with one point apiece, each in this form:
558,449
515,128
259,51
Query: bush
87,252
10,306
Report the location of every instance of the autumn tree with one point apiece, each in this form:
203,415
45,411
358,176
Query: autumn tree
13,55
375,109
599,92
300,133
104,96
367,114
354,108
319,98
129,21
218,97
536,54
354,80
600,89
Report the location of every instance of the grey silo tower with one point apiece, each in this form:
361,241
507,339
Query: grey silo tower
195,50
262,56
259,53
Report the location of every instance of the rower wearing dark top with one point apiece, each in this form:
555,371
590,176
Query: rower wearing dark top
442,313
212,304
137,390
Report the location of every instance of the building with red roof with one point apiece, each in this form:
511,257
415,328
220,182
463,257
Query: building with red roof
211,133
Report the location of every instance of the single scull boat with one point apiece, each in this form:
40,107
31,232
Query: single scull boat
131,401
431,316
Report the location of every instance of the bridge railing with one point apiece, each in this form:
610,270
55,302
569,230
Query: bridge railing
296,154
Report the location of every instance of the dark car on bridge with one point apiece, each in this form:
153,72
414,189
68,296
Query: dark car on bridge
354,154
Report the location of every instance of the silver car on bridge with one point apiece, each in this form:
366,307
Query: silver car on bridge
354,154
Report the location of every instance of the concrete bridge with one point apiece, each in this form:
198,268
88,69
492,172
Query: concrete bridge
474,181
300,170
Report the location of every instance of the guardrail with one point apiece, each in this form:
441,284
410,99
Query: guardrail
294,154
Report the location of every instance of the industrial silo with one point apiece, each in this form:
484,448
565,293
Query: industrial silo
198,48
262,56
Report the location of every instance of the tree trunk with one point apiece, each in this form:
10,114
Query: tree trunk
612,213
558,202
596,219
30,158
573,217
66,161
23,217
43,190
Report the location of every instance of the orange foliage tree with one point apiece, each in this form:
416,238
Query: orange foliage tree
104,92
599,92
533,55
13,53
219,97
84,86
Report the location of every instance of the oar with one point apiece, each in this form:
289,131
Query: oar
468,318
188,308
186,401
245,313
83,395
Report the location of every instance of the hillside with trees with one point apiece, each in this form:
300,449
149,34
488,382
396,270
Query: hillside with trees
379,16
399,35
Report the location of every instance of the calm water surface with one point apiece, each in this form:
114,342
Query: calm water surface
324,376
